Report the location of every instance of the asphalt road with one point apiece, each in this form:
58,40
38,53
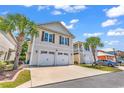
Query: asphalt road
111,80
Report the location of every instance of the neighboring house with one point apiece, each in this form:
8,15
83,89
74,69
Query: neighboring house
82,54
120,55
105,55
53,46
7,46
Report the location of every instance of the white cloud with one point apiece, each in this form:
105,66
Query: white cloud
115,11
4,12
70,8
71,24
41,7
116,32
109,22
27,5
56,12
60,9
73,21
104,10
112,42
93,34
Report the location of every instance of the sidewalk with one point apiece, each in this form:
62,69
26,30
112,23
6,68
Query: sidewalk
120,67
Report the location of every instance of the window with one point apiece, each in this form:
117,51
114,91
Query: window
51,53
87,49
48,37
43,52
65,53
64,41
59,53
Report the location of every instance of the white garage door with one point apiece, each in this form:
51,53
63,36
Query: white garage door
62,58
46,58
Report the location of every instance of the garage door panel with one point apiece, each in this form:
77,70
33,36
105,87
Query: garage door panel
46,58
62,58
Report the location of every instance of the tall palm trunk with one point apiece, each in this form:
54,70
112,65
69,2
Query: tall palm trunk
18,51
94,54
20,40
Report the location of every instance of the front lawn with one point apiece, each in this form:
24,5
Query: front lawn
103,68
122,64
23,77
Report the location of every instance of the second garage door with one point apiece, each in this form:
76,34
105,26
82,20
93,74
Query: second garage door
62,58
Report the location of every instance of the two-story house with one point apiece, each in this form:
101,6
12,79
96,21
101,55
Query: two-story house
82,54
53,46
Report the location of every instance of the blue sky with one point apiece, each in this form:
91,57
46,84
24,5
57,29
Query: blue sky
107,22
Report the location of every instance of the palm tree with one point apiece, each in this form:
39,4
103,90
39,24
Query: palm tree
93,42
22,26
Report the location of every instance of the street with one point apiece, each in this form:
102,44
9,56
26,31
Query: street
111,80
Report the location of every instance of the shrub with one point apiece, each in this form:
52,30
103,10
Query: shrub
3,62
9,67
2,66
6,65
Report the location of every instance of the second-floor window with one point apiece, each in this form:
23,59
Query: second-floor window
63,40
87,48
48,37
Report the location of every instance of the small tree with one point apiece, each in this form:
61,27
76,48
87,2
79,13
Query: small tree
93,42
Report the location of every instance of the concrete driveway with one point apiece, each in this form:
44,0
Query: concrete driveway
48,75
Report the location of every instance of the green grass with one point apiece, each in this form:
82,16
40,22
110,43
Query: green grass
122,64
23,77
103,68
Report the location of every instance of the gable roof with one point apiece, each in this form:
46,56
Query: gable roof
53,27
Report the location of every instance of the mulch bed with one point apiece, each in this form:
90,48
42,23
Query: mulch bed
8,75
